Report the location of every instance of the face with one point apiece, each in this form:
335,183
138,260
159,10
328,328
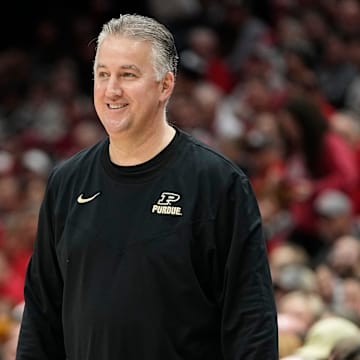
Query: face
127,97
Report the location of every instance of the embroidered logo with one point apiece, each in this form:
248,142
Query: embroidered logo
83,200
164,206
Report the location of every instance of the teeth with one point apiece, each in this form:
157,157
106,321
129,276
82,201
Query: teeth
116,106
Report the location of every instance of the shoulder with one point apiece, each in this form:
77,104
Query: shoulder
204,158
334,141
75,166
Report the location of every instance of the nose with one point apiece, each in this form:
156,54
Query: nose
113,87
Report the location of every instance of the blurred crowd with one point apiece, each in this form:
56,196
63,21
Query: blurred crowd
273,85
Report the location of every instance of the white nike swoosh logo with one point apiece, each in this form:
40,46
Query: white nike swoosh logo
82,200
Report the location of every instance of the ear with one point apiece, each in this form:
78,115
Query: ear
167,85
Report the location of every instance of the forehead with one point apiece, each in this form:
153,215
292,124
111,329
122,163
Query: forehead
121,48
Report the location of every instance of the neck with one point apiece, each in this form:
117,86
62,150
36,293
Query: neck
141,148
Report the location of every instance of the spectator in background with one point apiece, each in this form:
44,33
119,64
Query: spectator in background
346,349
175,13
241,31
347,124
317,159
263,161
352,93
8,349
335,68
316,28
329,287
19,237
11,283
288,342
10,194
344,257
289,33
185,112
204,42
347,17
351,296
307,307
334,218
295,277
265,62
9,346
299,62
307,86
287,254
237,111
338,278
322,336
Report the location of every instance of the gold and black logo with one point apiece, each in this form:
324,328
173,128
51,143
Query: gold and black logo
165,204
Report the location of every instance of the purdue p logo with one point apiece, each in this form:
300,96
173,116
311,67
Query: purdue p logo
164,206
167,198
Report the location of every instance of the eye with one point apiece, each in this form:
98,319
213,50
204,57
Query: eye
128,75
102,75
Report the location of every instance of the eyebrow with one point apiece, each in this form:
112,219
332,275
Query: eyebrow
130,67
123,67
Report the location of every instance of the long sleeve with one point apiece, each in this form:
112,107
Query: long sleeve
148,285
249,323
41,335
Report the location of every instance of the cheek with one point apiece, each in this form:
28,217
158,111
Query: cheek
96,99
97,89
97,103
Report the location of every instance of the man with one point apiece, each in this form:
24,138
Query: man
149,243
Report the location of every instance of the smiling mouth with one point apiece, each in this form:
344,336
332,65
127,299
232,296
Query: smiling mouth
116,106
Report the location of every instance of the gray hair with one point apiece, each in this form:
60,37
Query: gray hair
164,53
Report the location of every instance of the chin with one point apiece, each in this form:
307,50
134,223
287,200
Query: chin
116,127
